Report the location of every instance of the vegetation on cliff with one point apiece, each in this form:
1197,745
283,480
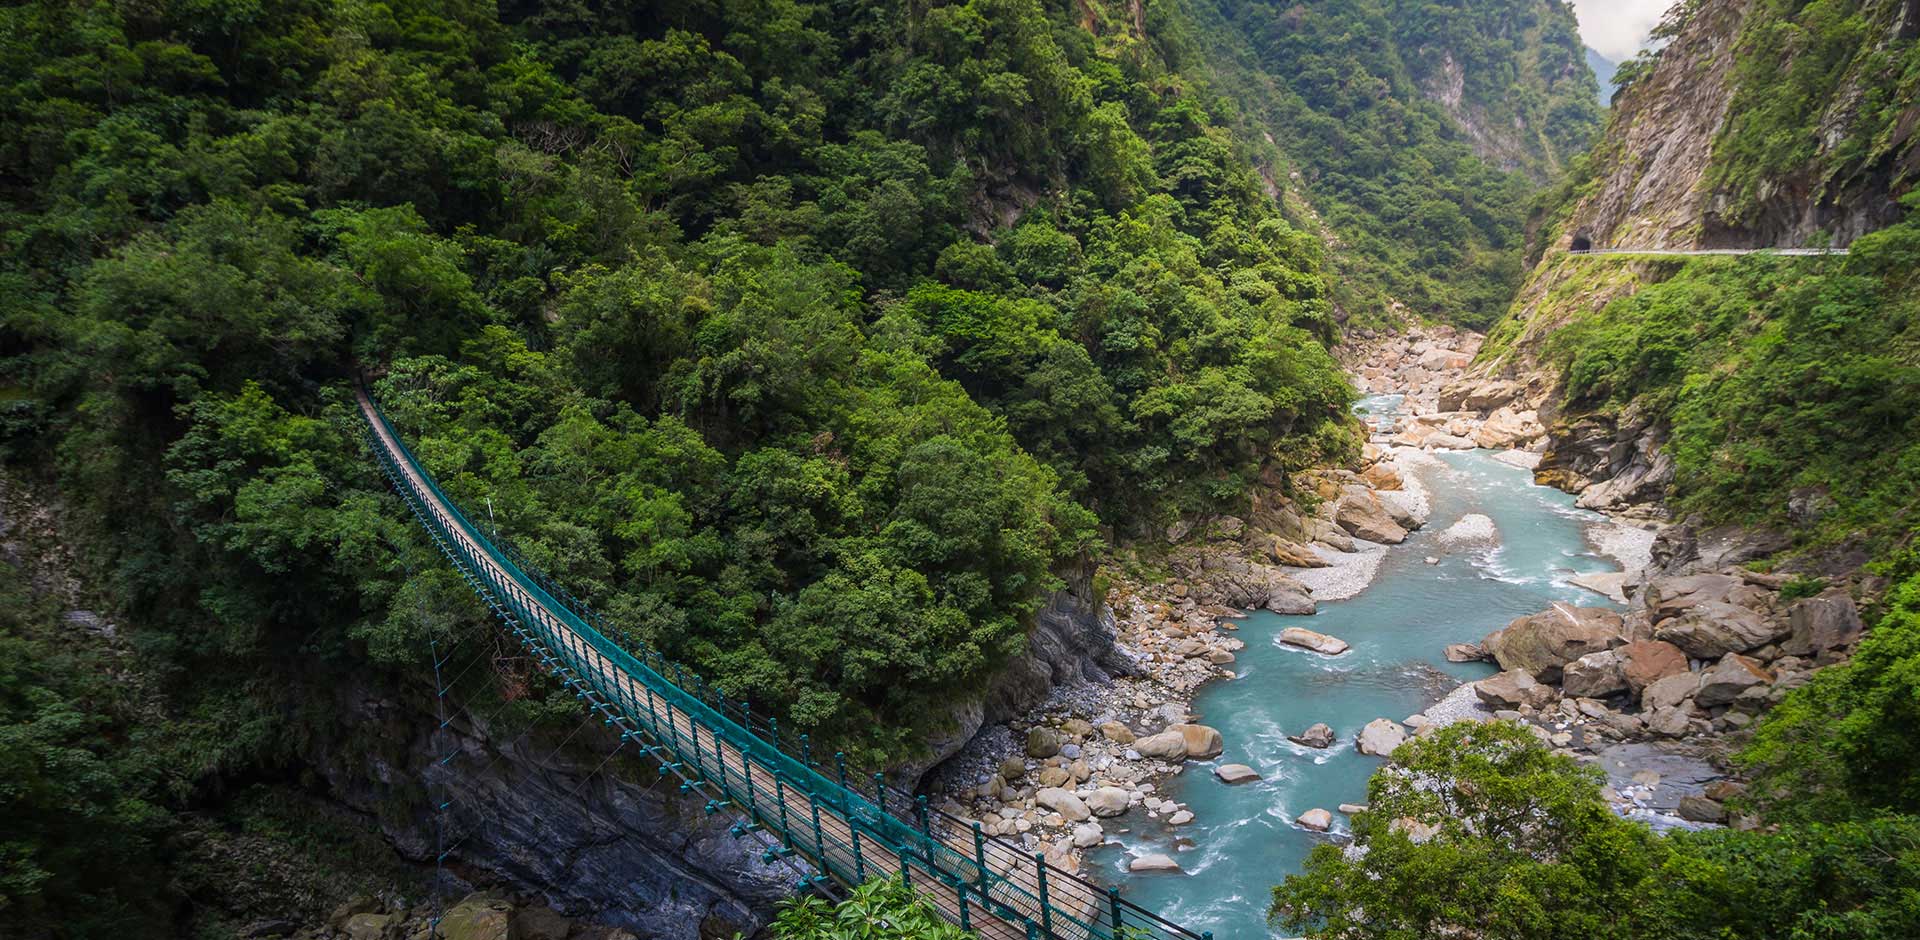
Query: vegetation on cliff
808,341
1419,129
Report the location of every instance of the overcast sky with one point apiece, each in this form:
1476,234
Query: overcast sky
1618,28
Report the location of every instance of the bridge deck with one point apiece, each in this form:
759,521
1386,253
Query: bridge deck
1003,894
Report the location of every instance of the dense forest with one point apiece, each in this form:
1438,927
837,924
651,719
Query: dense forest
1420,131
817,343
812,342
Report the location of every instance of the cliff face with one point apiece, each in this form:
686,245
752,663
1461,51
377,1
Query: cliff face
1759,127
550,815
1759,124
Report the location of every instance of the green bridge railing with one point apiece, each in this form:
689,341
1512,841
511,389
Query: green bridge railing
844,829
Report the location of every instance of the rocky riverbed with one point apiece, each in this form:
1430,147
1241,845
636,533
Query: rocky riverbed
1654,676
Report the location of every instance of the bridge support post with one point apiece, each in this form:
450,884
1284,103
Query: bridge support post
1046,908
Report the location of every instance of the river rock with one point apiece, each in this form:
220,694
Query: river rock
1013,768
1317,642
1319,735
1472,528
1236,773
372,927
1508,427
1062,801
1362,515
1203,742
1644,662
1819,624
1316,819
1670,691
1673,722
1673,596
1380,737
1117,733
1087,835
1543,643
1043,742
1167,745
1153,861
1512,689
1108,801
1723,682
478,918
1594,675
1180,818
1054,776
1700,809
1712,629
1465,653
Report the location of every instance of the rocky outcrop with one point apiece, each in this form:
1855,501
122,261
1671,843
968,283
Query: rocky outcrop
1072,641
1542,644
1312,640
555,822
1380,737
1613,461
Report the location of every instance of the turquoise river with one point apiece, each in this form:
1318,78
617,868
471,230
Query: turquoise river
1243,840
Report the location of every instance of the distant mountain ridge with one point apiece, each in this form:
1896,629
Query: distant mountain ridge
1603,70
1418,130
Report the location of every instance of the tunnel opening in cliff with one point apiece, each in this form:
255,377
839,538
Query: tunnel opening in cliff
1581,243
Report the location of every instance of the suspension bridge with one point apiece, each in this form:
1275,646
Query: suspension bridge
836,830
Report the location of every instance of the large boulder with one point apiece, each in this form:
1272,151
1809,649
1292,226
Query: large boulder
1363,516
1168,745
1087,835
1153,861
1320,735
1203,742
1644,662
1712,629
1069,806
1670,691
1318,642
1465,653
1380,737
1542,644
478,918
1595,675
1723,682
1108,801
1819,624
1236,773
1117,733
1316,820
1507,427
1512,689
372,927
1671,597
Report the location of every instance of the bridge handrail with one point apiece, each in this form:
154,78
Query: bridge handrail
902,834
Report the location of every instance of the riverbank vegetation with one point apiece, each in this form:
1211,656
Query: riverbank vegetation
1523,846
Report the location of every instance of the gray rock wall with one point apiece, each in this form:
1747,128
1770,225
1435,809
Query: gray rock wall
543,814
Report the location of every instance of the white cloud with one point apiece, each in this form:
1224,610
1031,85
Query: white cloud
1618,28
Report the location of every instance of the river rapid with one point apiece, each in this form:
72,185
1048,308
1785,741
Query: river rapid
1244,839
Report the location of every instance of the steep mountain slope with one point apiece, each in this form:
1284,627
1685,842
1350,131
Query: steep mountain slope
1758,389
1418,131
